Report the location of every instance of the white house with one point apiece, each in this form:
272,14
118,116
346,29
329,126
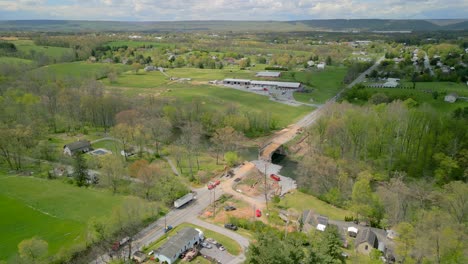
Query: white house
182,241
451,98
321,66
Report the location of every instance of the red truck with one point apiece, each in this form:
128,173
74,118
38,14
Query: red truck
275,177
258,213
211,186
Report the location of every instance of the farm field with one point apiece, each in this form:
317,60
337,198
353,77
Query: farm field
81,69
28,47
324,84
423,94
50,209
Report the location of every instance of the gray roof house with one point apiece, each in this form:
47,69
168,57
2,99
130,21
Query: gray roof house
311,221
179,243
366,240
82,146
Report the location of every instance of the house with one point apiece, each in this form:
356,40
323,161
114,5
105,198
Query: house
182,241
268,74
321,66
390,83
366,241
139,257
451,98
150,68
81,146
311,221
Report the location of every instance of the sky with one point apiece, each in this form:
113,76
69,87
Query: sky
174,10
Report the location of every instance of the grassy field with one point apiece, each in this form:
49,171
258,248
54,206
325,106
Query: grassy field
52,210
324,84
423,93
81,69
136,44
211,74
231,246
13,60
216,97
28,46
141,80
301,201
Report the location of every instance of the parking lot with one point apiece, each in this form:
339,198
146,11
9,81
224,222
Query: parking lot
214,252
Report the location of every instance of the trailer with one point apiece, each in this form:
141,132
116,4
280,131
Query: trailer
183,200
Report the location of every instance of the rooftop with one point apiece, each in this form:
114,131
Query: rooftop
268,74
367,235
178,241
78,145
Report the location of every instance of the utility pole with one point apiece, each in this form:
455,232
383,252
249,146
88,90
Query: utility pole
266,195
214,202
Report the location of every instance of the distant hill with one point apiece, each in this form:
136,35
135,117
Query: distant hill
252,26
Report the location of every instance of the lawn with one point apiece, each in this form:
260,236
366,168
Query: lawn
81,69
423,94
197,74
324,84
111,145
231,245
301,201
28,47
140,80
50,209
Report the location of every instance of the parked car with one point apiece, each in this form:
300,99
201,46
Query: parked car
231,226
167,229
212,241
220,247
217,182
275,177
237,179
229,208
206,245
211,186
258,213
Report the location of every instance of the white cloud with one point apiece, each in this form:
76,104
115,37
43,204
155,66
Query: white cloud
231,10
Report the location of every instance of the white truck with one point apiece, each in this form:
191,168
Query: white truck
183,200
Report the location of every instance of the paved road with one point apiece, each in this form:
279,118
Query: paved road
362,76
427,64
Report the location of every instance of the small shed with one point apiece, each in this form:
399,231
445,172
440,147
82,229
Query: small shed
451,98
321,66
81,146
139,257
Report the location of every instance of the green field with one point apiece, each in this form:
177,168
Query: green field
301,201
211,74
216,97
423,93
50,209
141,80
324,84
28,47
136,44
13,60
81,69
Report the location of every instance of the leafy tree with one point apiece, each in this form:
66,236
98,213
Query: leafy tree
231,158
113,170
33,250
330,246
80,170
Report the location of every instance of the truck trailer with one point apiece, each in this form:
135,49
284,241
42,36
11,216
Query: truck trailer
183,200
